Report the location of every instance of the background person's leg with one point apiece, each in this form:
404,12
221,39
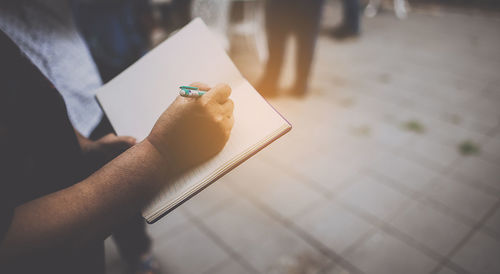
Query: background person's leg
350,25
306,28
277,30
351,14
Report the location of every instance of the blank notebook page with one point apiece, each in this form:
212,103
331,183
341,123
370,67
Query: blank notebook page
135,99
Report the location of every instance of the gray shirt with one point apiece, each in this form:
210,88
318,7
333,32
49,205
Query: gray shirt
45,31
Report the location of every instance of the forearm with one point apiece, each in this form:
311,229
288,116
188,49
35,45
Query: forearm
90,209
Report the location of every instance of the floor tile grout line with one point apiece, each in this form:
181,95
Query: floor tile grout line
237,189
397,186
415,108
437,205
375,222
484,188
218,241
421,197
407,239
421,161
458,217
413,196
494,130
213,209
486,158
307,208
395,150
362,239
400,191
309,182
418,196
481,186
327,193
218,266
328,266
490,232
336,258
448,169
467,237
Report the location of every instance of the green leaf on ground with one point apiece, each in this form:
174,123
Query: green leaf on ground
415,126
468,148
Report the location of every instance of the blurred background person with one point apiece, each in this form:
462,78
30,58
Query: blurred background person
173,14
301,19
117,32
350,25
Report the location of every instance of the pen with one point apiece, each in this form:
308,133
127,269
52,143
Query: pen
188,91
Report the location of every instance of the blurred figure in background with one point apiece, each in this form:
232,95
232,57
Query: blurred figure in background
349,27
174,14
283,19
117,32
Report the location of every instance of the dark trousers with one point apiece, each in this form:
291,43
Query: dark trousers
285,18
130,237
350,13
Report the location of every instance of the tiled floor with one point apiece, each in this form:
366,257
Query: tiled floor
371,179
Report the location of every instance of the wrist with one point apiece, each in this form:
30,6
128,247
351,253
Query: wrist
163,165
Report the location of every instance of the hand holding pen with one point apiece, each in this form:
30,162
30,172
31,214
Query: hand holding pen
192,130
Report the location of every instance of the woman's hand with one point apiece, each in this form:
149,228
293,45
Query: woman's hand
192,130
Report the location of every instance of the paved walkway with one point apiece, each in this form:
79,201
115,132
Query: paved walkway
393,165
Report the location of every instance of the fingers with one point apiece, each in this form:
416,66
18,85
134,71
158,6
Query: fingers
111,138
228,126
201,86
230,123
220,93
131,141
227,108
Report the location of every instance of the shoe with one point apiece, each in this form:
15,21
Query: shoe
296,92
371,10
401,9
342,32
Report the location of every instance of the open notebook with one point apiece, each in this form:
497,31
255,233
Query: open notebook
135,99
